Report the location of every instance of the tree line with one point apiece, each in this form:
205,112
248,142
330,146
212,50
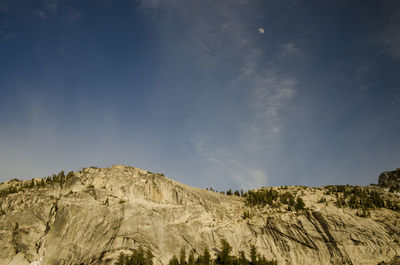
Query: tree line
360,198
59,178
138,257
223,257
272,197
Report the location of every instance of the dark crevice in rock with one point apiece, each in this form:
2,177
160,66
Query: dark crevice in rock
357,242
335,252
50,219
271,227
277,236
252,229
312,221
115,228
306,236
390,229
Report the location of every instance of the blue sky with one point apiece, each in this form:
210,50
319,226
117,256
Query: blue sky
193,89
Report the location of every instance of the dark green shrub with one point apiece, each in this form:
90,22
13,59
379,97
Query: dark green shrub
299,204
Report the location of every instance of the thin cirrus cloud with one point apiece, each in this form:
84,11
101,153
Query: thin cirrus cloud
390,37
3,6
40,14
51,5
290,49
228,32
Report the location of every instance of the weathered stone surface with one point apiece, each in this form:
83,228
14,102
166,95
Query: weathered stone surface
390,179
100,212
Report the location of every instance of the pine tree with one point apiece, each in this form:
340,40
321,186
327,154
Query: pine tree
191,258
206,257
173,261
299,204
182,257
242,258
253,255
121,259
223,257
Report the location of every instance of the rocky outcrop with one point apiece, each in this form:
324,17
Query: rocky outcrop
390,179
97,213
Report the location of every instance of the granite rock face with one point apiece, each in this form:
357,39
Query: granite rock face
97,213
390,179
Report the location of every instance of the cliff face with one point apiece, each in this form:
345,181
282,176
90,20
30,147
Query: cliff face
97,213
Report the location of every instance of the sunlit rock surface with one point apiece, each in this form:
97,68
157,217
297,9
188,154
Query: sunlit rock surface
97,213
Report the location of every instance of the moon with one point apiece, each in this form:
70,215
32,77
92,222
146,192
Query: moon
261,30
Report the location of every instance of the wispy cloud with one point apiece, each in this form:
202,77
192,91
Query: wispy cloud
392,40
73,17
227,31
271,89
246,175
395,101
6,33
40,14
391,34
69,16
3,6
290,49
52,5
215,31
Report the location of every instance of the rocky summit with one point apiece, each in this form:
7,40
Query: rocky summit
93,215
390,179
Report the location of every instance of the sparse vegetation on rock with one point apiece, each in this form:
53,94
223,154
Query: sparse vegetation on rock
273,198
361,198
223,257
59,178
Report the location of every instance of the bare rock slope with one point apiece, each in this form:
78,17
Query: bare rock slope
94,214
